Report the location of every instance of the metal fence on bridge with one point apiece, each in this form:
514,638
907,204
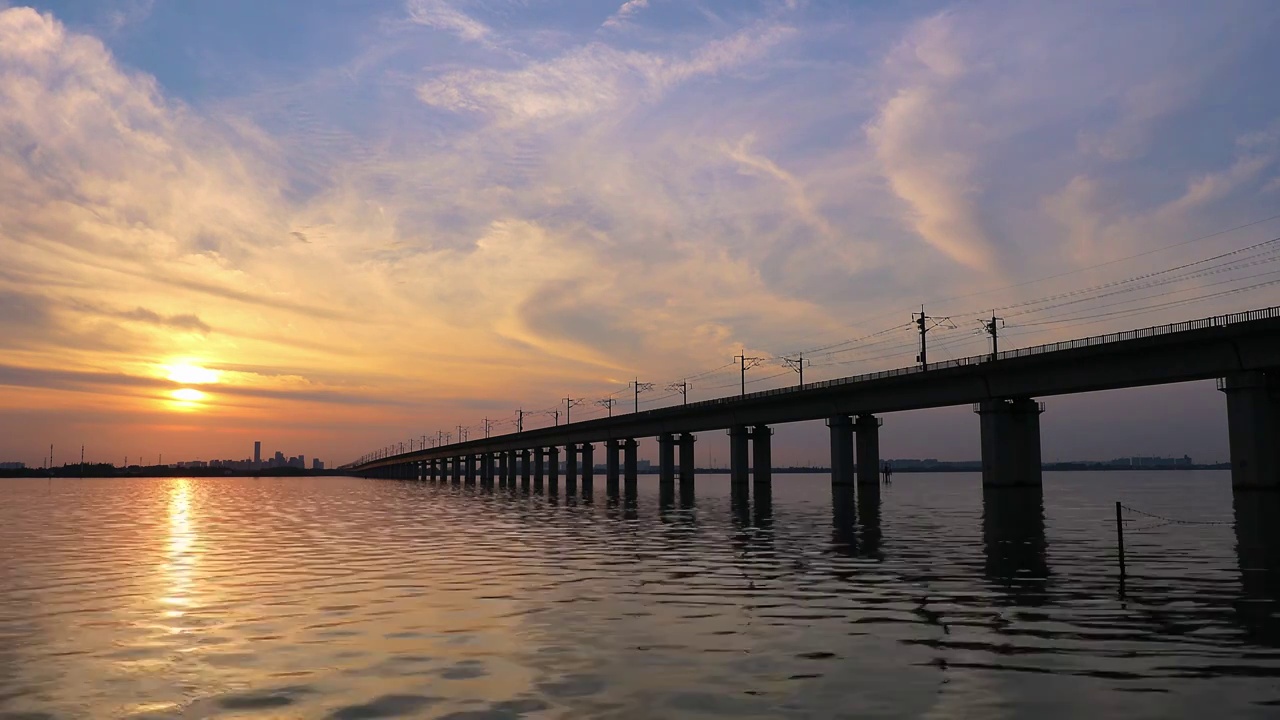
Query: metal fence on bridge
1209,322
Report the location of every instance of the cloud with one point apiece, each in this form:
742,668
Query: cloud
442,15
453,231
1100,226
182,321
590,79
625,12
926,148
129,12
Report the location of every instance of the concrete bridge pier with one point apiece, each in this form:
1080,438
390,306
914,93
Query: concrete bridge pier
841,427
867,429
762,460
455,465
525,470
687,443
612,449
1253,427
553,470
629,468
486,469
571,469
738,461
666,461
511,468
588,469
469,468
1010,442
539,456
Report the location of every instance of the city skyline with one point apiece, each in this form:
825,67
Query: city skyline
357,225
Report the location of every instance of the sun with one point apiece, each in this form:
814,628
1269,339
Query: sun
191,374
187,395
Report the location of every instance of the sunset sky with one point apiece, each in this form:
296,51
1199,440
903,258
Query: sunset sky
334,225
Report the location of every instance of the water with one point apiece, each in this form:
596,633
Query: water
348,598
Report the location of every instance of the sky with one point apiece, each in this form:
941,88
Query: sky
333,226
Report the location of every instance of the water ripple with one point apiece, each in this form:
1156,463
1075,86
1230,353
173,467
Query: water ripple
347,598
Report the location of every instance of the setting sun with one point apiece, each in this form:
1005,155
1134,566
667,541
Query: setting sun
187,395
188,373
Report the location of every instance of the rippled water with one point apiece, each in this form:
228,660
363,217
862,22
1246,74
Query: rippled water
350,598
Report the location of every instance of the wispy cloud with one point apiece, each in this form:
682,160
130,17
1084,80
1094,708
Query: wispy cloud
445,16
591,79
625,12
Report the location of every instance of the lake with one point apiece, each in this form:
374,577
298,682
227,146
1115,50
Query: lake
349,598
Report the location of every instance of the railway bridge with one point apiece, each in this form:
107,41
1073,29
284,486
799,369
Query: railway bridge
1241,350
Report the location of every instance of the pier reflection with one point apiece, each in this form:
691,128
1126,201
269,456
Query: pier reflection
762,506
869,521
855,521
844,532
1257,514
1014,543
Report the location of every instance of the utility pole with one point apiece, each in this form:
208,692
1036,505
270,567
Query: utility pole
608,404
925,323
439,438
423,446
993,330
921,322
556,413
639,388
746,363
569,404
50,456
520,420
486,427
797,363
681,387
81,461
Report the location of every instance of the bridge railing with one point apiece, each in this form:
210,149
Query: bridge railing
1215,321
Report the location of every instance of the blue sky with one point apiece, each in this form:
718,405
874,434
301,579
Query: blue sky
428,211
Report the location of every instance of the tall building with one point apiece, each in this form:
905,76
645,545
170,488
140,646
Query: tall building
257,452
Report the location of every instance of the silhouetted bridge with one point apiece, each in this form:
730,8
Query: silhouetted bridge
1241,350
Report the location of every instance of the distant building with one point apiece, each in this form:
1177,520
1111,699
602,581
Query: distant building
316,464
13,466
257,452
1152,461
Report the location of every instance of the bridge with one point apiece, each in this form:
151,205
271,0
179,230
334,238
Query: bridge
1241,350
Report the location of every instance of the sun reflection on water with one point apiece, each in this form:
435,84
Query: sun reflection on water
182,553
